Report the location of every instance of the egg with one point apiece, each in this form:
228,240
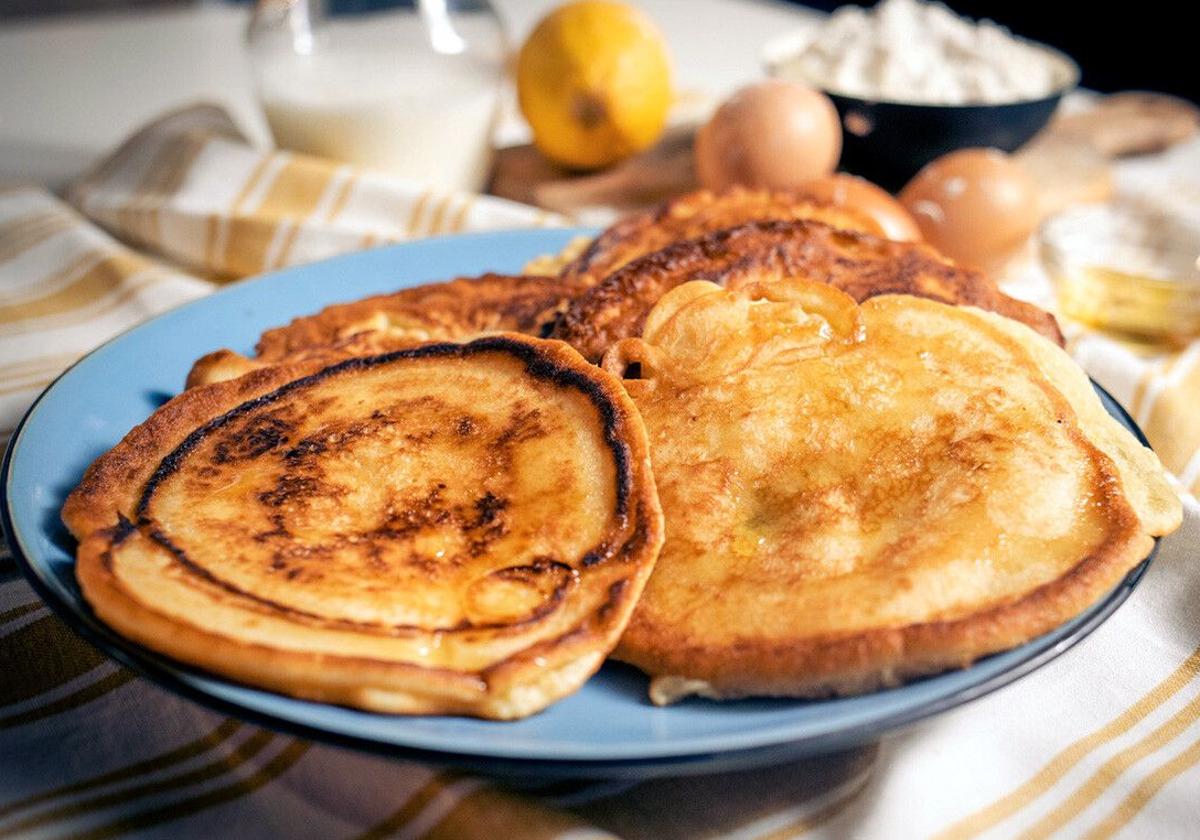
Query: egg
772,134
874,202
974,205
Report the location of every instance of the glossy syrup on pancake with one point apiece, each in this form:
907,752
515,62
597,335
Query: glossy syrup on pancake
858,494
448,529
858,263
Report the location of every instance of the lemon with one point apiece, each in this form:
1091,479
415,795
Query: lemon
594,83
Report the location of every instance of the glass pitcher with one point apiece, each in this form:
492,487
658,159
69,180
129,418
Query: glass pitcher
408,88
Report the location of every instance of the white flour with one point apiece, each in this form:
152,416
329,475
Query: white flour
909,51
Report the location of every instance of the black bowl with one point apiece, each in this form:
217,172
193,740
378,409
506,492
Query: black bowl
888,142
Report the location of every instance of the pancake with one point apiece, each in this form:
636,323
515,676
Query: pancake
223,365
860,494
694,215
1156,503
454,310
466,308
551,265
450,529
859,264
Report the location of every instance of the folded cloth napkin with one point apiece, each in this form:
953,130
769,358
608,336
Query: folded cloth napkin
1103,741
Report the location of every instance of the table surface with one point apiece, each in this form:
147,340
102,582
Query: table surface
72,87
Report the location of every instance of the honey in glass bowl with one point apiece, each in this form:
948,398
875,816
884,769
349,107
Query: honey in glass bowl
1125,268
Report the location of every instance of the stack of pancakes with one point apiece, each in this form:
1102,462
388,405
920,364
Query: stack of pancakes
740,441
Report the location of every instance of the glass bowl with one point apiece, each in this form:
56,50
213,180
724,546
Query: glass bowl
1126,268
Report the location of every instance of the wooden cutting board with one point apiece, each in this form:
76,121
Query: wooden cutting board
1070,160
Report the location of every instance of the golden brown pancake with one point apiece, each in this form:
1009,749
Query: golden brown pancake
1156,503
856,495
859,264
448,311
466,308
551,265
222,365
450,529
694,215
454,310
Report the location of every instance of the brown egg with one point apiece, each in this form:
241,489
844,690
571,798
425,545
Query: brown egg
974,205
772,134
872,201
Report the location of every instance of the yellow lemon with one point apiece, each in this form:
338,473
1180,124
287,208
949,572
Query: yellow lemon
594,82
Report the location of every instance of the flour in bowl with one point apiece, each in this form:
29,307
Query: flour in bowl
910,51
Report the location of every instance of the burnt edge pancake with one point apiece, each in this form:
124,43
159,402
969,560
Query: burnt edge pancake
535,364
858,263
453,310
696,214
94,512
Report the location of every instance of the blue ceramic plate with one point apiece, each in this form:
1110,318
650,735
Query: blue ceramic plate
607,729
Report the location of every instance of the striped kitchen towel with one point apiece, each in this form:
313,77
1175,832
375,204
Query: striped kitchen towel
190,189
1103,742
65,286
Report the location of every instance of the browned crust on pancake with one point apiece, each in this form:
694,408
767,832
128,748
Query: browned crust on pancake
866,661
376,685
106,509
858,263
695,214
453,310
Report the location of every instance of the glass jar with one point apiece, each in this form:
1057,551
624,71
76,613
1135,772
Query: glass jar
408,88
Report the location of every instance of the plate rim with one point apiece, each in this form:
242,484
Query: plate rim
169,674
